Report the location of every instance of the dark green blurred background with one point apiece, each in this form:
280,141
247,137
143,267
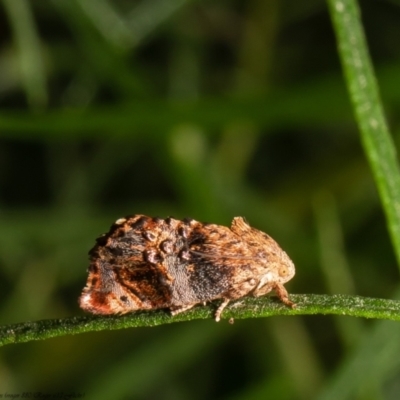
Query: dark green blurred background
204,109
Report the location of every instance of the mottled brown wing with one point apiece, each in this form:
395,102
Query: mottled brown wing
126,271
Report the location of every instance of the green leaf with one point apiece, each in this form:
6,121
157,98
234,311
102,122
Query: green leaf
307,304
368,110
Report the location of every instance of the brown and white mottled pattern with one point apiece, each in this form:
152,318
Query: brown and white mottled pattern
146,263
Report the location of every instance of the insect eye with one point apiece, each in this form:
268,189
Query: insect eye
283,271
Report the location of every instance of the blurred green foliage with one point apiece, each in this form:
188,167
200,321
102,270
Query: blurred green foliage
204,109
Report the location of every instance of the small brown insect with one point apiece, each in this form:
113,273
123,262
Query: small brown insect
146,263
